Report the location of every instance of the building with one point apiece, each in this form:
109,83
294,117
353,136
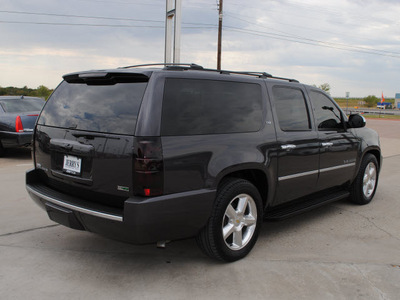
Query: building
397,101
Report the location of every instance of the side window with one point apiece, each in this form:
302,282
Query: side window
291,109
327,115
194,106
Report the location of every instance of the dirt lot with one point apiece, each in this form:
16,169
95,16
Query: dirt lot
340,251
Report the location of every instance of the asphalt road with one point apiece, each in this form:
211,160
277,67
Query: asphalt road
340,251
373,111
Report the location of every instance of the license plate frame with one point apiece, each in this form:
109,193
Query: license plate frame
72,165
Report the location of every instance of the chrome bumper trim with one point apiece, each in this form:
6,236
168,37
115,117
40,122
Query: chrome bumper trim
76,208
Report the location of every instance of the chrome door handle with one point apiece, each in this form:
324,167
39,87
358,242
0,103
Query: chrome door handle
327,144
288,147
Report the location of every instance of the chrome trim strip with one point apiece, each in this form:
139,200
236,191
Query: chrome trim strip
76,208
337,167
297,175
315,172
288,147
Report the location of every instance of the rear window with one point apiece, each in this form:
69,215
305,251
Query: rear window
193,106
291,109
99,108
21,105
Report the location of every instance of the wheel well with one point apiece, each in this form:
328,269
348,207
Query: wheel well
256,177
377,154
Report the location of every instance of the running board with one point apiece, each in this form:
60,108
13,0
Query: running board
290,210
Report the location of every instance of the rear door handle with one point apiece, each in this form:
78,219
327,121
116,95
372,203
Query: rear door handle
288,147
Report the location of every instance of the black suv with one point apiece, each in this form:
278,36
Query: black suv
154,154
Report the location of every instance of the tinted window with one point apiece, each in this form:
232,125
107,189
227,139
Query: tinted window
327,115
291,109
21,105
101,108
210,107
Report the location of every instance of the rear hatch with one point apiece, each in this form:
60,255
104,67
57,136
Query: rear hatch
83,144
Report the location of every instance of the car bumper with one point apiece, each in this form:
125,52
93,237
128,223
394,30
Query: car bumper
15,139
142,220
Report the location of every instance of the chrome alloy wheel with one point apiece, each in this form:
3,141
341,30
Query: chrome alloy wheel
239,222
369,180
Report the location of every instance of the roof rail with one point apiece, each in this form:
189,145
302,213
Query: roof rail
192,66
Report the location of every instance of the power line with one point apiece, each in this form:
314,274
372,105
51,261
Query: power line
319,44
77,16
121,2
81,24
90,17
285,34
204,26
282,36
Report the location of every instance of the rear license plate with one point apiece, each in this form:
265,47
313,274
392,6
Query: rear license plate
72,164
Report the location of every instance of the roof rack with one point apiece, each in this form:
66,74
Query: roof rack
192,66
188,66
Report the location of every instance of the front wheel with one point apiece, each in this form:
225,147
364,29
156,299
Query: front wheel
2,150
364,186
233,227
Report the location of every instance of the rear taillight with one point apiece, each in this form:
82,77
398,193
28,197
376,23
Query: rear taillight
148,166
18,124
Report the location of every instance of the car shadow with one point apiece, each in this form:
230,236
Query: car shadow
18,153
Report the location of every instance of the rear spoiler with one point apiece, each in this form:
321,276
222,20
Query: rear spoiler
105,78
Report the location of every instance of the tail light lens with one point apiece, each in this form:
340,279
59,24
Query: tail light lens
18,125
148,166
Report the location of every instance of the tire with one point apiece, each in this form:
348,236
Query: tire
237,212
364,186
2,150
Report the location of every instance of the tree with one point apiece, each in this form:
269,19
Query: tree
371,100
43,92
325,87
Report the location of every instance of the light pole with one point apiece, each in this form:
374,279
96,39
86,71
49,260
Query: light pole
347,102
219,35
172,31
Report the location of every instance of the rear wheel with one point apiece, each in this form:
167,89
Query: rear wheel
233,227
364,186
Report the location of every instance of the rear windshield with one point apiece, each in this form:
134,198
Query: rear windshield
21,105
99,108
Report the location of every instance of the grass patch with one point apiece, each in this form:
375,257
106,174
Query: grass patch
387,117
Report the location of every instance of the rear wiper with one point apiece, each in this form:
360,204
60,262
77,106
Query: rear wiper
91,136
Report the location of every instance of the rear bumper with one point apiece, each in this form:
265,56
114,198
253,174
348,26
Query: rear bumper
15,139
142,220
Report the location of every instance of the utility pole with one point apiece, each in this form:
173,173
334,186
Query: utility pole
219,35
173,31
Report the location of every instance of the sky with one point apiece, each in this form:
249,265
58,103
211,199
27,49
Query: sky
354,45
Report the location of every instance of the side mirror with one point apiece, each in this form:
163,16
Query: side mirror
356,121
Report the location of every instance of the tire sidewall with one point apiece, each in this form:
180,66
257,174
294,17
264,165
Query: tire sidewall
222,201
362,199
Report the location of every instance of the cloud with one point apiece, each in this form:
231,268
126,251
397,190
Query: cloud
312,41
